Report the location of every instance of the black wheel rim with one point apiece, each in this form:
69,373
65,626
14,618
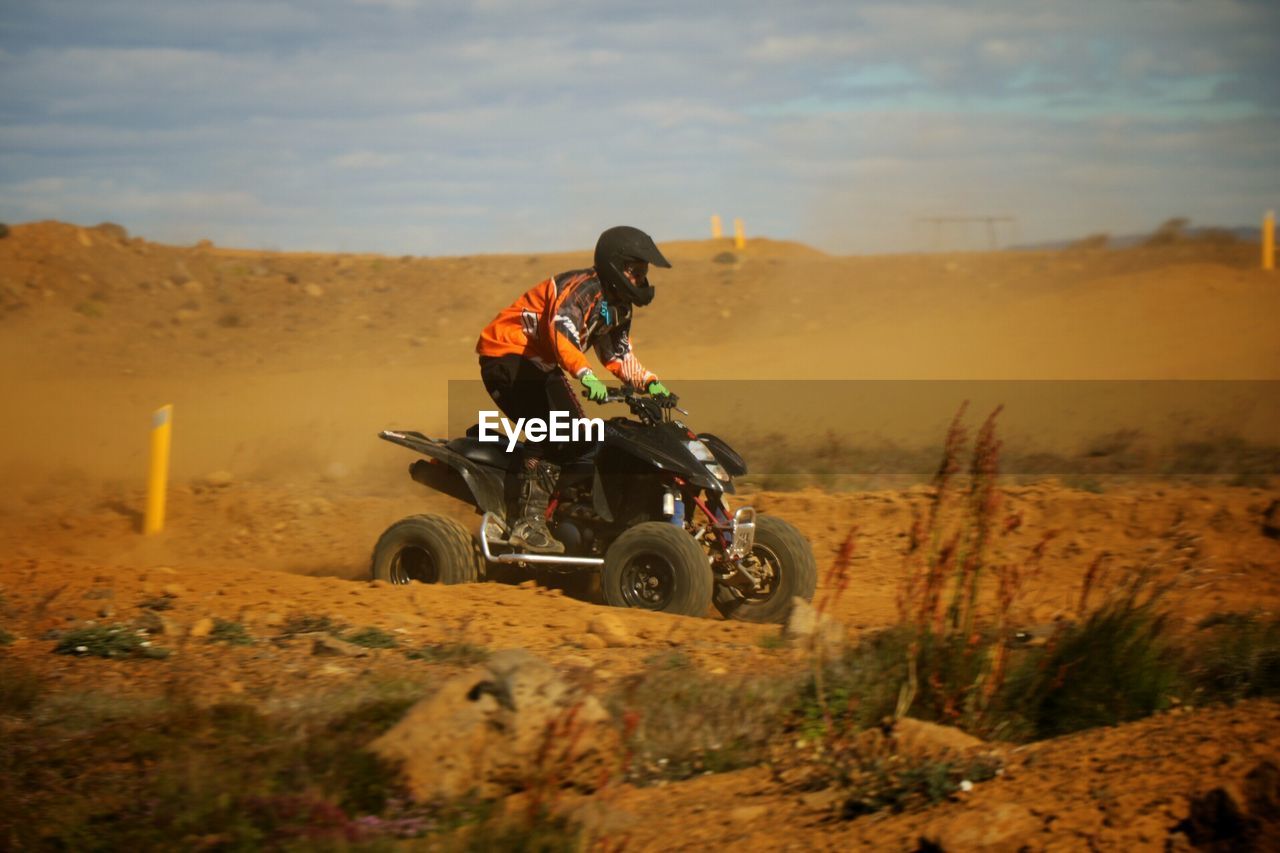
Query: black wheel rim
771,566
414,564
648,582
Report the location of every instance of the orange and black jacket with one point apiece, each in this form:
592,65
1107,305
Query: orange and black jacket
553,324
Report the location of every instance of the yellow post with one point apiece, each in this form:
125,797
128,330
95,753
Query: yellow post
739,237
1269,241
716,231
158,476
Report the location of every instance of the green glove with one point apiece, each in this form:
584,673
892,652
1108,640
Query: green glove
595,388
657,389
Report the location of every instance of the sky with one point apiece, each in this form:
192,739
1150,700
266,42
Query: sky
451,127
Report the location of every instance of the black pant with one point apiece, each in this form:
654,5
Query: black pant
522,389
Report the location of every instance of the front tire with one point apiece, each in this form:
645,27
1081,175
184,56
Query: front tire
785,553
426,549
657,566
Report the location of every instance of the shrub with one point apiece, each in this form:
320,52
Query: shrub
5,637
954,664
772,641
859,690
372,638
20,688
1115,667
1170,231
461,654
310,623
4,230
899,783
225,631
679,721
1236,656
540,832
188,776
108,641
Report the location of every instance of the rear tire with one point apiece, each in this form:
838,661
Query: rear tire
657,566
425,549
795,574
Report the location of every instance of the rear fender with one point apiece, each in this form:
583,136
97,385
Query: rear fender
484,487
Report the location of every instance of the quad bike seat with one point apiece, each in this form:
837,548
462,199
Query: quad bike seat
492,453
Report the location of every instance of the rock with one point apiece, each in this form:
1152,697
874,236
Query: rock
1003,827
157,623
1237,816
824,800
745,814
591,641
599,820
500,728
272,619
173,589
313,290
813,632
315,506
217,479
326,644
193,288
921,738
83,238
185,315
611,629
202,628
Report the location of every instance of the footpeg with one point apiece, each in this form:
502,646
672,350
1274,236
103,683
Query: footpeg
490,521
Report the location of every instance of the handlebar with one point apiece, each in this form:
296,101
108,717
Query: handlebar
650,409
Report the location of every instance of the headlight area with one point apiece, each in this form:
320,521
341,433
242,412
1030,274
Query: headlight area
704,455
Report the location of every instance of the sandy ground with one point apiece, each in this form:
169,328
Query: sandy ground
282,368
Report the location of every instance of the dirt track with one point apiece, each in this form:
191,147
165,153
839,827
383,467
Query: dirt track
282,368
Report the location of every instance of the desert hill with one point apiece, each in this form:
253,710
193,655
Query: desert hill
283,366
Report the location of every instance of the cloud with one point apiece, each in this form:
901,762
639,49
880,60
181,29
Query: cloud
365,160
535,121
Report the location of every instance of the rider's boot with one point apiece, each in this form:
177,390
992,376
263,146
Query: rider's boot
537,480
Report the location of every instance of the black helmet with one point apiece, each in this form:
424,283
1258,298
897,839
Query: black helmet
614,249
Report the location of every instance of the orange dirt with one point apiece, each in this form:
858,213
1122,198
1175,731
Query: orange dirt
282,367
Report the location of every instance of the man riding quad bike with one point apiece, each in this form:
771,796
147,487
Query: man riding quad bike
646,506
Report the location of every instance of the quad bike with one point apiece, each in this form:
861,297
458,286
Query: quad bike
646,509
